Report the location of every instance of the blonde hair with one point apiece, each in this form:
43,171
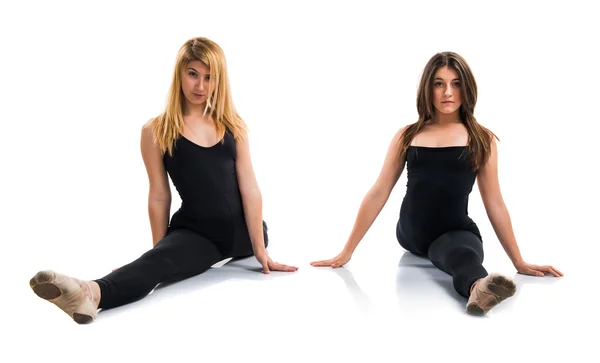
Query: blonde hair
168,126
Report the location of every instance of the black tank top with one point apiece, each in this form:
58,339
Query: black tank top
439,181
206,180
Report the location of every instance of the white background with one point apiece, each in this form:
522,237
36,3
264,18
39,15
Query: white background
323,87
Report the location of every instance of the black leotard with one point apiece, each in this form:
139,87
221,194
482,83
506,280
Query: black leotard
206,180
440,180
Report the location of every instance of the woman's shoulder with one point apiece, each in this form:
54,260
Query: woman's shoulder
148,128
150,124
403,130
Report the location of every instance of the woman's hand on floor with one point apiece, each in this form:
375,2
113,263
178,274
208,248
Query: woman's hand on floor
535,270
268,265
338,261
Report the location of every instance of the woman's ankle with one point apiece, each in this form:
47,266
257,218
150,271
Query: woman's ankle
96,292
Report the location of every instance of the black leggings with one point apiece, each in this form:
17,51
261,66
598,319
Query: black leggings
179,255
459,254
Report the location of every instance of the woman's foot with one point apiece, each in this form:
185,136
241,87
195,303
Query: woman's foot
79,299
488,292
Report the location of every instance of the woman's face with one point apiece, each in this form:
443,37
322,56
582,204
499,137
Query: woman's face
446,91
195,83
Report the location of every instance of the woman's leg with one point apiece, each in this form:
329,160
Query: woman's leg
181,254
460,254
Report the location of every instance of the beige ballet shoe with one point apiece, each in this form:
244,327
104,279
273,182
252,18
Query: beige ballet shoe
67,293
489,292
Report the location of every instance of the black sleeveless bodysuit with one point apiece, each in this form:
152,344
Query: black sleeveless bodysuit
440,180
211,202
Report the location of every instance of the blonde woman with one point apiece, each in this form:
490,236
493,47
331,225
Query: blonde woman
445,152
201,143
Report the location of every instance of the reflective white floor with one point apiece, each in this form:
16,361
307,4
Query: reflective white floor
385,305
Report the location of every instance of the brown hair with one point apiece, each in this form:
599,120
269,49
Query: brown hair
480,138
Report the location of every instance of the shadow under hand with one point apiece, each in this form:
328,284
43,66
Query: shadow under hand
521,279
361,299
419,281
240,268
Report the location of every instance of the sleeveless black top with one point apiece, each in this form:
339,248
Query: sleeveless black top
206,180
440,180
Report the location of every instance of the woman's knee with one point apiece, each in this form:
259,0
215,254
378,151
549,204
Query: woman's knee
456,245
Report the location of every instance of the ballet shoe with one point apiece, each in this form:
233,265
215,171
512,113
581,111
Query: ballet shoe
489,292
67,293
